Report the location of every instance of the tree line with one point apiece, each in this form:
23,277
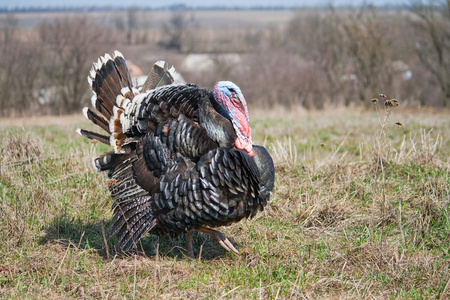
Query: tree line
317,58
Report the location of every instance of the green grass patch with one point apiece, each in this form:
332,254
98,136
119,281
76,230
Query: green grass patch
354,214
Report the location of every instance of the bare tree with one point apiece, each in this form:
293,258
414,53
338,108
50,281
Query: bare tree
19,69
175,31
131,22
316,37
70,47
433,44
369,54
9,28
348,47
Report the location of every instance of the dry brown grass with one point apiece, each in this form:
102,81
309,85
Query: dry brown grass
332,230
18,147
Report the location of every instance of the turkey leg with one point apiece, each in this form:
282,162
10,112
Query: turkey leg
190,251
218,236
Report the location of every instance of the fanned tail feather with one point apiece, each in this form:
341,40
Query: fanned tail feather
112,88
96,119
132,212
108,162
133,186
159,75
94,136
107,78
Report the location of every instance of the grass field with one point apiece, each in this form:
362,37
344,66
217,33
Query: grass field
360,209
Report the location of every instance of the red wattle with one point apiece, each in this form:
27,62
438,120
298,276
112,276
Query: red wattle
244,145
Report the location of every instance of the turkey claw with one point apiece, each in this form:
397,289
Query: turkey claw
218,236
227,245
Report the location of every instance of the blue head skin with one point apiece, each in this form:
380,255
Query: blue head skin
230,97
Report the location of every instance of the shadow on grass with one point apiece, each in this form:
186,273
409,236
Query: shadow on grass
96,236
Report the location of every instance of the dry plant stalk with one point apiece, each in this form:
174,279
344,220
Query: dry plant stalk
383,151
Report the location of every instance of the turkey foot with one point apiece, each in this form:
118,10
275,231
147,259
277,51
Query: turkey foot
218,236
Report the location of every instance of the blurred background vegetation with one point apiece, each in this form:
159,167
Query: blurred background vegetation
313,58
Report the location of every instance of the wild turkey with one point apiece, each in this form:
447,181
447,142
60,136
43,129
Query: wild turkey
183,156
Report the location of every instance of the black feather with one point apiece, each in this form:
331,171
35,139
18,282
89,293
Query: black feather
94,136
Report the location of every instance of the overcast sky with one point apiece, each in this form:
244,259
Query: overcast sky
191,3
